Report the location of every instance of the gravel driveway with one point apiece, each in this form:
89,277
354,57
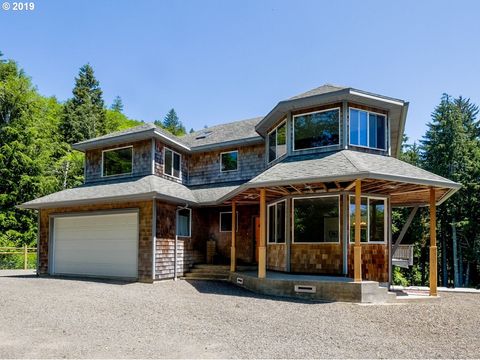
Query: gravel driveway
58,318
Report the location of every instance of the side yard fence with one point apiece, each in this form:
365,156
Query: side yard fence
15,257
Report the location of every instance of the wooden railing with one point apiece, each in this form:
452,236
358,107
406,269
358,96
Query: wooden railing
25,251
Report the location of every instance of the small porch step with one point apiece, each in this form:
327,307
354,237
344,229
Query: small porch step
213,272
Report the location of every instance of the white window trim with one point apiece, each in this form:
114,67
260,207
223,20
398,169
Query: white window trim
276,224
284,122
368,132
293,220
220,222
385,217
173,152
118,148
221,163
189,223
316,112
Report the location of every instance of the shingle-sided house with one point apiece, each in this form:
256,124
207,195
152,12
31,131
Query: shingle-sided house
307,189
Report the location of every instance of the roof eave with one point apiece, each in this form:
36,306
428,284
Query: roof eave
226,144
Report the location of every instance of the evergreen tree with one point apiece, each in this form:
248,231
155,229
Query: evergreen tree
117,104
172,123
84,115
191,131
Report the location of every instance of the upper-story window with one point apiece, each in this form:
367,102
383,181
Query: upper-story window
277,142
117,161
172,163
316,129
368,129
229,161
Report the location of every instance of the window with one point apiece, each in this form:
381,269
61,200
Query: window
229,161
317,129
172,163
367,129
276,222
117,161
372,225
316,220
226,221
184,222
277,142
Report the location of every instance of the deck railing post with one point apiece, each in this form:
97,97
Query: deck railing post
262,250
25,263
433,243
357,248
233,256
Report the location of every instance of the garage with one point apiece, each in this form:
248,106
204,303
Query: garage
99,245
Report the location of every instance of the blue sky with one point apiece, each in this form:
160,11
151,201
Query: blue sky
220,61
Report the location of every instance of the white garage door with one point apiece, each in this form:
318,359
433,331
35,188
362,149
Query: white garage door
96,245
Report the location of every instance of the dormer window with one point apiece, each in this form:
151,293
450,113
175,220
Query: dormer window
117,161
316,129
277,142
172,163
368,129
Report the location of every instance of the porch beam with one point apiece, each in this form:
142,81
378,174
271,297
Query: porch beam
233,256
262,249
351,186
357,248
433,243
405,228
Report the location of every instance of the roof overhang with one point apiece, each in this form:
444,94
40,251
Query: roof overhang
396,108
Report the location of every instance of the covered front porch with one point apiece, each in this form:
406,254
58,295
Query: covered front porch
335,225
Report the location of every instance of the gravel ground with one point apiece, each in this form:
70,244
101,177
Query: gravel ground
58,318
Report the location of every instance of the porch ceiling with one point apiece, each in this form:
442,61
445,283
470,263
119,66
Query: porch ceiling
401,194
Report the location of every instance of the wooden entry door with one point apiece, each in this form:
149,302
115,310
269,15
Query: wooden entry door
257,236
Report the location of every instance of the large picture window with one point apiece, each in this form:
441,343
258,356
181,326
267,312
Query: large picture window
316,129
117,161
276,222
229,161
172,163
184,222
367,129
373,219
226,221
277,142
316,220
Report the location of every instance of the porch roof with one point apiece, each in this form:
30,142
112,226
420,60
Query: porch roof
384,175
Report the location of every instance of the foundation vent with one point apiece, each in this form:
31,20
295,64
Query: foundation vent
305,289
240,280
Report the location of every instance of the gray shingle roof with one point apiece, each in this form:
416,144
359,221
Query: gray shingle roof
347,164
327,88
243,130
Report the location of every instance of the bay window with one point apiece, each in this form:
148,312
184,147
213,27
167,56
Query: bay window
316,220
276,222
368,129
317,129
277,142
373,219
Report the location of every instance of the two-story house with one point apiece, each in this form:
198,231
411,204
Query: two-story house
307,189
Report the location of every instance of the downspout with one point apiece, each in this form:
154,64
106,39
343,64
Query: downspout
154,237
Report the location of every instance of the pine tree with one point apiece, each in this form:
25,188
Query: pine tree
84,115
117,104
172,123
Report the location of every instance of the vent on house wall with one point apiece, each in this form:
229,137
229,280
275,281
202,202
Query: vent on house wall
305,289
203,135
239,280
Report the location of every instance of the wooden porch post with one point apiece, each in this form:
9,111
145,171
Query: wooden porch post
357,248
433,243
262,250
233,256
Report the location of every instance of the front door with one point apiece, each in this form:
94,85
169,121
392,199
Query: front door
257,236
